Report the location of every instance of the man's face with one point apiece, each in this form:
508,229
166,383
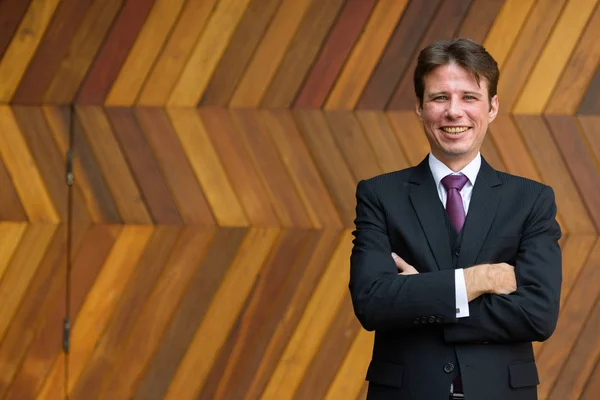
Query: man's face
455,113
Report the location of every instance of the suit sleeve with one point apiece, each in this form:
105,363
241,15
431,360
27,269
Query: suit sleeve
381,298
531,312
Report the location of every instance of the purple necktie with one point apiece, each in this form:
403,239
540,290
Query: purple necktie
454,205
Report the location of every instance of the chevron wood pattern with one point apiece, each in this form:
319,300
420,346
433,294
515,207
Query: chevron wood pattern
202,252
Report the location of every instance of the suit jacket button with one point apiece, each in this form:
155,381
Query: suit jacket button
448,368
424,320
438,320
416,321
432,319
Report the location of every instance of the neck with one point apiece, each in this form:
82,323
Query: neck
455,163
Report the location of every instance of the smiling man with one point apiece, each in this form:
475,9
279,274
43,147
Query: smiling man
455,266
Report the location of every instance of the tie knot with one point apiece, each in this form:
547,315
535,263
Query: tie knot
454,182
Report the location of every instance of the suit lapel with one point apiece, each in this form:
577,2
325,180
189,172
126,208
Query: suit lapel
430,211
482,210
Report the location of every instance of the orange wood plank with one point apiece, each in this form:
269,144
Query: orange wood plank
207,52
409,132
301,54
554,57
207,167
113,166
365,55
329,160
224,310
147,47
172,60
590,104
22,168
141,343
285,200
11,14
590,127
480,19
592,386
11,234
491,154
22,49
11,208
303,172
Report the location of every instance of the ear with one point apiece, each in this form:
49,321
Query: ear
494,107
418,108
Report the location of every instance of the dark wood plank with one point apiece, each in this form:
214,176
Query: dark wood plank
237,161
51,51
44,349
301,54
398,55
590,127
327,156
479,19
125,316
11,208
444,25
11,13
334,53
244,42
114,52
144,167
190,313
491,154
592,387
590,105
169,153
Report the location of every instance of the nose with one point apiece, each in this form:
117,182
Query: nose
453,109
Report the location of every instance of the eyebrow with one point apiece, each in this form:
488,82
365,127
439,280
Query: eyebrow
434,94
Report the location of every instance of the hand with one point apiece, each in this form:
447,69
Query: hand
403,266
490,278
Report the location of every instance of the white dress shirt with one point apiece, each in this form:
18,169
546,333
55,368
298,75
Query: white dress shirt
439,170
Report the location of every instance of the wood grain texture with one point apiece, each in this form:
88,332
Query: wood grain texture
590,104
11,13
11,208
480,19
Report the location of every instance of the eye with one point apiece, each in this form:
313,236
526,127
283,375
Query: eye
440,98
470,98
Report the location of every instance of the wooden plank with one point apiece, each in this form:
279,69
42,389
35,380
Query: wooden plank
303,172
554,57
480,18
24,45
113,54
400,51
572,212
11,234
590,127
491,154
330,162
206,54
512,148
138,290
245,40
222,313
575,307
527,48
113,166
444,25
410,133
29,375
584,169
51,51
331,353
239,165
145,51
506,29
365,55
11,13
593,385
333,55
208,167
21,166
45,152
144,167
351,140
350,379
172,60
139,347
578,72
11,208
590,104
301,54
81,52
269,54
166,148
271,169
584,354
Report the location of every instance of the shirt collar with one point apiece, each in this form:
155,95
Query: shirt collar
440,170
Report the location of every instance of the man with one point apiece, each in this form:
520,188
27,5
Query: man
455,266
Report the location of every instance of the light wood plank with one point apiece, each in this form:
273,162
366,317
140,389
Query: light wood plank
270,53
410,133
365,55
206,54
146,49
24,45
208,168
555,56
10,237
23,170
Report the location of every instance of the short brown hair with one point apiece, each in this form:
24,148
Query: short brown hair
464,52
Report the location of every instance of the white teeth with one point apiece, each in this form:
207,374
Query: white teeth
455,129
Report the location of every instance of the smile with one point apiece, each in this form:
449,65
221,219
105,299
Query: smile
454,129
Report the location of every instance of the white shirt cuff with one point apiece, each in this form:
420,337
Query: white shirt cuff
460,287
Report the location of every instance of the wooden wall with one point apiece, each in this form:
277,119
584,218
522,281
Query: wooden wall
217,145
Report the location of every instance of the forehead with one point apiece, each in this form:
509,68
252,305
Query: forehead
453,77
